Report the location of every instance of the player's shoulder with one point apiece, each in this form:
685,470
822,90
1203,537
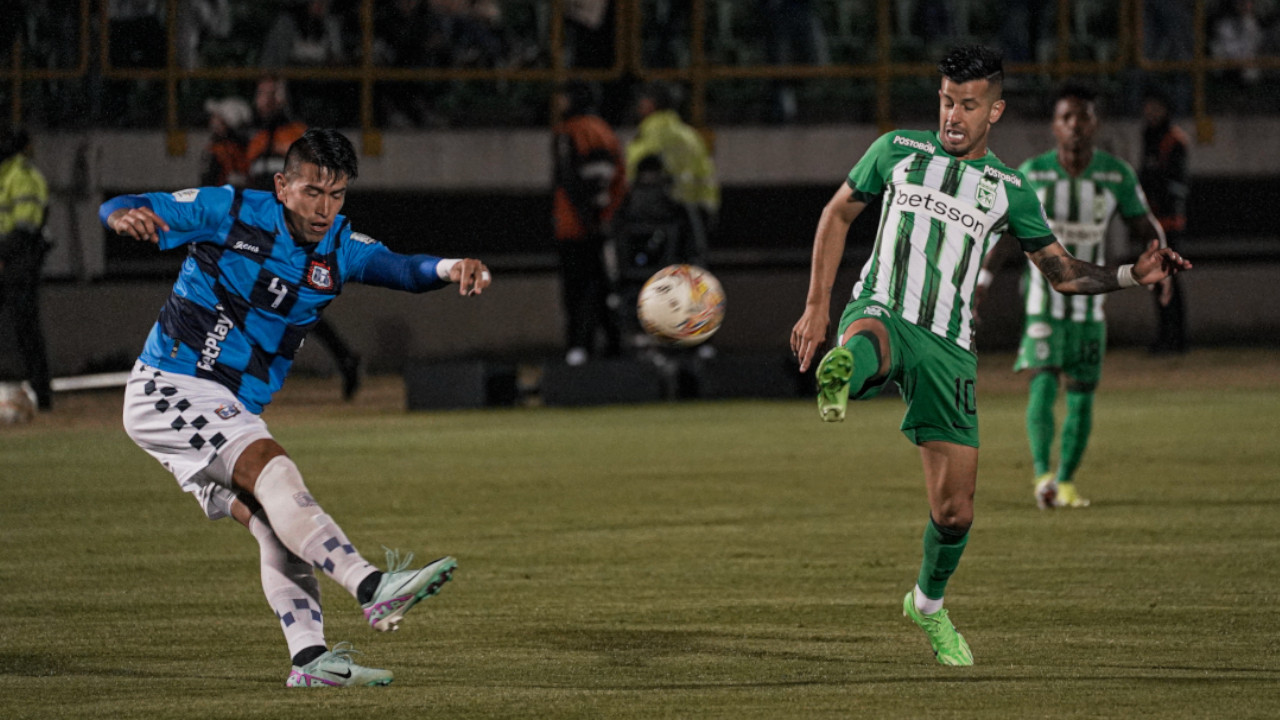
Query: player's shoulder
908,141
1045,162
994,169
1109,168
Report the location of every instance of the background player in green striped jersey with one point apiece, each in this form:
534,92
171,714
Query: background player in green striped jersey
1081,188
946,200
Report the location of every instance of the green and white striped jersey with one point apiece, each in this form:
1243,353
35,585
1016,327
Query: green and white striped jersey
940,217
1079,210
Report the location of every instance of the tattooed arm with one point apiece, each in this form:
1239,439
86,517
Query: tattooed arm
1076,277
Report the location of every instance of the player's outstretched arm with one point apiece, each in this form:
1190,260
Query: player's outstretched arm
1075,277
810,332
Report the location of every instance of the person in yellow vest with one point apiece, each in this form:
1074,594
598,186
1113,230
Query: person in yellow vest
685,158
24,198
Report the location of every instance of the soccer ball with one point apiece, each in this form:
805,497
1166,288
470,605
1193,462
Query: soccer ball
17,403
682,304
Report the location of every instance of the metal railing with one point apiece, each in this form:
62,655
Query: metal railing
699,72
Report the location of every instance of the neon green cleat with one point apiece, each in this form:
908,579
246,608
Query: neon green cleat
949,646
336,669
1046,491
1068,497
833,384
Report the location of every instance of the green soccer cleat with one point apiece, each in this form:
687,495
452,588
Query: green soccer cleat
1068,497
400,589
949,646
833,384
336,669
1046,492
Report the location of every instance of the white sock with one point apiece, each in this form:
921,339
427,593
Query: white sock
303,527
291,587
926,605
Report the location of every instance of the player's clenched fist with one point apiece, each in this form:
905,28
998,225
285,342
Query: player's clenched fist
140,223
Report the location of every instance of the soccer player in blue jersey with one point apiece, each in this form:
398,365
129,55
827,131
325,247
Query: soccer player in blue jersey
260,268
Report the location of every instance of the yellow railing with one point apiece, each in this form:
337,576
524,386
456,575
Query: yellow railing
628,60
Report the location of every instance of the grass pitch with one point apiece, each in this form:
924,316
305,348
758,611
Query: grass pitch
729,559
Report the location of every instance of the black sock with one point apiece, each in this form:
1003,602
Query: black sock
368,586
307,654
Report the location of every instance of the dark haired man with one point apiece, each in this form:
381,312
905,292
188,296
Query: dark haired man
1081,188
261,267
946,200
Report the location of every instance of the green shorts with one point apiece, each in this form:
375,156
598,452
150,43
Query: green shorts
1075,348
936,376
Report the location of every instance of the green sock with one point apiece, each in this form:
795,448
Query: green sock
942,550
1044,392
1075,433
865,349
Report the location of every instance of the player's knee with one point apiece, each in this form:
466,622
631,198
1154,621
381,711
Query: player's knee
280,483
253,462
953,517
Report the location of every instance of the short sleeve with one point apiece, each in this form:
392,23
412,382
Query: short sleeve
867,178
1129,195
1027,220
193,215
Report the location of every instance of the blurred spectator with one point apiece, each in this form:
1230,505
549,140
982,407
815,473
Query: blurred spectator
1167,35
589,186
276,131
1027,23
198,20
307,34
310,34
589,25
407,34
137,33
685,158
24,201
226,156
1236,34
474,31
1163,175
795,38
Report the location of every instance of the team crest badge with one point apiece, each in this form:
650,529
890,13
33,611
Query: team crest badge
319,275
986,195
226,412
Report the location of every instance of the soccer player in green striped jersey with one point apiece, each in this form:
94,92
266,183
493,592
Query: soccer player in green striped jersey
1081,188
946,200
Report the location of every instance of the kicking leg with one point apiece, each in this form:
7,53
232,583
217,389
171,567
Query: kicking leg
860,362
266,472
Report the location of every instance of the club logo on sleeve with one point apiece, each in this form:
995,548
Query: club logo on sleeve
319,275
186,196
362,238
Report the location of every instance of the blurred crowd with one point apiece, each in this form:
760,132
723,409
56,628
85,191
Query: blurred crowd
516,34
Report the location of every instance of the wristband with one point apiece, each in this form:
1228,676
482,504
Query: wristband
445,266
985,277
1124,276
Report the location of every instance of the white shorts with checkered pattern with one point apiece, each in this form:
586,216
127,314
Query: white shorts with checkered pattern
196,429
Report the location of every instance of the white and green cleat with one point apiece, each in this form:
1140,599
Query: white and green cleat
335,668
833,384
400,589
949,646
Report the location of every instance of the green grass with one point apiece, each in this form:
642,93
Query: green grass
732,559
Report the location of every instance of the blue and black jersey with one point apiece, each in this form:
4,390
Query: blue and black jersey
248,292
